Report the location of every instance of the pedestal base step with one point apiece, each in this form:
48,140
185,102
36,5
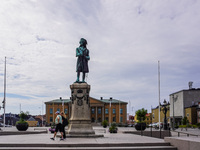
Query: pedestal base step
83,136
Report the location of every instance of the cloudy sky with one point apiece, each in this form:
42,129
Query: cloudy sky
126,40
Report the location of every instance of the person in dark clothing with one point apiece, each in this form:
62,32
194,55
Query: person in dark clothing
64,123
58,122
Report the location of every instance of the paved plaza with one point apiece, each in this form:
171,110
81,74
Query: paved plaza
108,138
120,138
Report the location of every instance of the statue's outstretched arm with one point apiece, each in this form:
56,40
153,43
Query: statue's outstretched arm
78,52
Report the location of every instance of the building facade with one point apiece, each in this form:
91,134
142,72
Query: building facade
148,119
198,113
32,122
182,104
57,105
10,119
111,110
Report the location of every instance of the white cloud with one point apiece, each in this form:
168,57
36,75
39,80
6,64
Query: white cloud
125,39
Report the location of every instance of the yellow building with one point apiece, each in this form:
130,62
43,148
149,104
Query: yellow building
148,118
32,122
198,112
155,114
111,110
191,114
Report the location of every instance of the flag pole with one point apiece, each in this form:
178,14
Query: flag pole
159,91
4,99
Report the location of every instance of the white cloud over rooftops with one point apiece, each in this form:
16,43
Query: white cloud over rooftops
125,38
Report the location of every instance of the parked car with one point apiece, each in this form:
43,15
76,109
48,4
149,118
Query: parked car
159,124
153,125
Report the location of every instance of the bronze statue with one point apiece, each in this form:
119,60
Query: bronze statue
83,57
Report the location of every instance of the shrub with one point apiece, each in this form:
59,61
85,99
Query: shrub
176,126
187,126
113,128
185,121
22,118
194,126
105,123
114,124
22,125
182,126
198,124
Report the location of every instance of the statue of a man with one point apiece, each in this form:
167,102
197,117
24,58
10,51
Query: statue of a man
83,57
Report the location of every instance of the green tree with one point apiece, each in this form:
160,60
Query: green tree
141,114
22,116
185,121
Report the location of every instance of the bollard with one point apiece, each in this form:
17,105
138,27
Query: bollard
160,132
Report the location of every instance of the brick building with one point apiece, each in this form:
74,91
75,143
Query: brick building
101,109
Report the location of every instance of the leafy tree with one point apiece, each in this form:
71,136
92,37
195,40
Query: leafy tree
185,121
141,114
22,116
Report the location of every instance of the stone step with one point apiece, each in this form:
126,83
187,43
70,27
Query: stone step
92,148
122,146
83,145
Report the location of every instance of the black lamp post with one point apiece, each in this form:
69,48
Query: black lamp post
165,109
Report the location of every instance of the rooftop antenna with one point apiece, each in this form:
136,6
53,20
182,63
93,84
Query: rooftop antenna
190,84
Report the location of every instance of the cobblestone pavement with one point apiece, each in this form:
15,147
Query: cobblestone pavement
108,138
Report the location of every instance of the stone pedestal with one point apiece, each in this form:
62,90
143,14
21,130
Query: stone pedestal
80,122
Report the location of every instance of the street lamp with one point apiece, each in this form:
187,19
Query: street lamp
62,103
165,109
42,113
40,116
110,110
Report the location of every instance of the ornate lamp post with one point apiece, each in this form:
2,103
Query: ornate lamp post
110,112
165,109
62,103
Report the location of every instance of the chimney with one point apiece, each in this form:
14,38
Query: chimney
101,98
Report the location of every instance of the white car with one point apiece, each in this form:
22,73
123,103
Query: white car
159,124
153,125
2,125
